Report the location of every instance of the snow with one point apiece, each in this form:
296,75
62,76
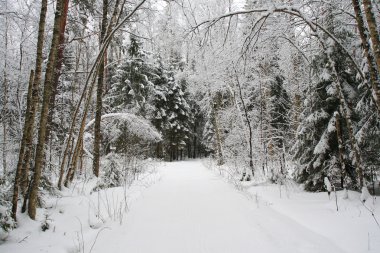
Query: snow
331,127
352,228
325,75
365,194
316,116
194,209
327,184
3,210
322,145
136,125
76,218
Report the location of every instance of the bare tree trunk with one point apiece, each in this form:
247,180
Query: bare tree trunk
195,141
99,97
81,159
262,133
17,180
75,156
371,21
5,101
22,170
250,153
373,71
214,119
58,66
78,155
48,83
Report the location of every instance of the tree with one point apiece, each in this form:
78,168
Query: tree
319,147
177,127
159,116
132,83
279,119
48,84
22,170
99,95
373,71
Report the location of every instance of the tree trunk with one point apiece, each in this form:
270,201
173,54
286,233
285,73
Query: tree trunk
99,97
48,84
248,122
373,71
22,170
374,34
195,141
58,66
75,156
354,145
340,148
5,101
17,180
215,124
89,81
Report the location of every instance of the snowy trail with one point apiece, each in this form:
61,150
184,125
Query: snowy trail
193,210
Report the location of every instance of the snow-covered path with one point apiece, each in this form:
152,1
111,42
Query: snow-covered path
193,210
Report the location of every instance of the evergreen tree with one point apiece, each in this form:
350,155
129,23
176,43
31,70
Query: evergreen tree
280,105
322,147
159,117
173,114
177,127
132,85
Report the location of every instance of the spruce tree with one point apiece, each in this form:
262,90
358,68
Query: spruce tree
323,125
177,127
132,85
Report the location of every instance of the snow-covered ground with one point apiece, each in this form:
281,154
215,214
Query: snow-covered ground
190,208
345,221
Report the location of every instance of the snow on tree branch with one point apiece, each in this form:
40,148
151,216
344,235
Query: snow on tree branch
138,126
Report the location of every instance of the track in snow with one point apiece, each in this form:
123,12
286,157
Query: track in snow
193,210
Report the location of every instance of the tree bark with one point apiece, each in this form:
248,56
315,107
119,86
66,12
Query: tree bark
215,123
16,184
5,100
58,66
22,170
99,97
248,122
48,83
75,156
372,27
373,70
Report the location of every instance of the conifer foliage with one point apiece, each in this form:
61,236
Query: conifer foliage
132,83
144,86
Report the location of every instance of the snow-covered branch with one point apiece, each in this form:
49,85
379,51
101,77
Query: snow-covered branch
136,125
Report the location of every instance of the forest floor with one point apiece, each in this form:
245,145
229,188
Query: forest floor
186,207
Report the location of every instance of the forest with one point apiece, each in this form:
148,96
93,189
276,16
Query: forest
276,91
